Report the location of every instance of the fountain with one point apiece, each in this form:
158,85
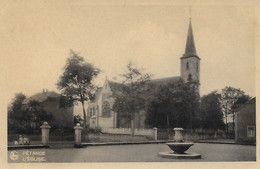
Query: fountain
179,147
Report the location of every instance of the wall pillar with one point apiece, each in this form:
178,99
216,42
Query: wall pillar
77,137
155,133
45,133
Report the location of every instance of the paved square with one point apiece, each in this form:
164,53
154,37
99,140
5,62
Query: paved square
138,153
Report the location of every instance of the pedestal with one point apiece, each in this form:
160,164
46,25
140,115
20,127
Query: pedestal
178,134
78,130
45,133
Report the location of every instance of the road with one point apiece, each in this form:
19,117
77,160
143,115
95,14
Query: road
135,153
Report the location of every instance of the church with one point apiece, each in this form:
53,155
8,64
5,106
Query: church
99,111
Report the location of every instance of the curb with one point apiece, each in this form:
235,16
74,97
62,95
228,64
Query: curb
209,142
26,147
120,143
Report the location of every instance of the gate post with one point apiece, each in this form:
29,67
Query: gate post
155,133
77,137
45,133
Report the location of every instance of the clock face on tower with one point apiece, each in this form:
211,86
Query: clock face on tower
106,109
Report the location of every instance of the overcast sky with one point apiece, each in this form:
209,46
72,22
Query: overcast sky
35,41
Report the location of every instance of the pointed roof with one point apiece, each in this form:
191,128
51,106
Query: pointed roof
165,81
115,86
190,45
97,93
251,101
41,97
190,49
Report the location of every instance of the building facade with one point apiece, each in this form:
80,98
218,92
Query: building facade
245,122
99,112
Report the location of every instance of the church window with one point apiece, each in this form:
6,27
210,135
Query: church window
187,66
197,67
94,111
106,109
105,96
189,78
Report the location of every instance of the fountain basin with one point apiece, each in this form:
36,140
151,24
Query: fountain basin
187,155
179,148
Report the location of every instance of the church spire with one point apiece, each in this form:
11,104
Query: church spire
190,45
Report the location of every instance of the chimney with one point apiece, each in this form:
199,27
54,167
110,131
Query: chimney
44,90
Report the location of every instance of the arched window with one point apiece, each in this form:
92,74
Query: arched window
187,66
189,78
197,67
94,111
106,109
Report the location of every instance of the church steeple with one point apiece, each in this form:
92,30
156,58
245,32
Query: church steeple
190,62
190,49
190,45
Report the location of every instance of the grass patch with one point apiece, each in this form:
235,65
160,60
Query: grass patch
102,138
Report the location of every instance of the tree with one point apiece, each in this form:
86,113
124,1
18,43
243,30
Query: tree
132,96
15,113
77,119
24,118
229,96
76,81
211,115
240,101
16,107
36,115
174,105
161,107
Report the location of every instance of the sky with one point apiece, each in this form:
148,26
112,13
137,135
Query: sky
35,41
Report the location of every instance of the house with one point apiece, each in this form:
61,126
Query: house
50,101
99,111
245,122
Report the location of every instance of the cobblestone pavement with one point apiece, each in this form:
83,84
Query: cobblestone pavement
134,153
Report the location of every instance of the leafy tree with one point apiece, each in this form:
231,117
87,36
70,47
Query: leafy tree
240,101
77,119
16,107
15,112
132,96
229,96
76,81
174,105
211,114
36,115
25,118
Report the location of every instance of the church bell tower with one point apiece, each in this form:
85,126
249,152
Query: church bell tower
190,61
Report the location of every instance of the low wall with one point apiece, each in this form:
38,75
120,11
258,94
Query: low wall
196,134
138,132
196,137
